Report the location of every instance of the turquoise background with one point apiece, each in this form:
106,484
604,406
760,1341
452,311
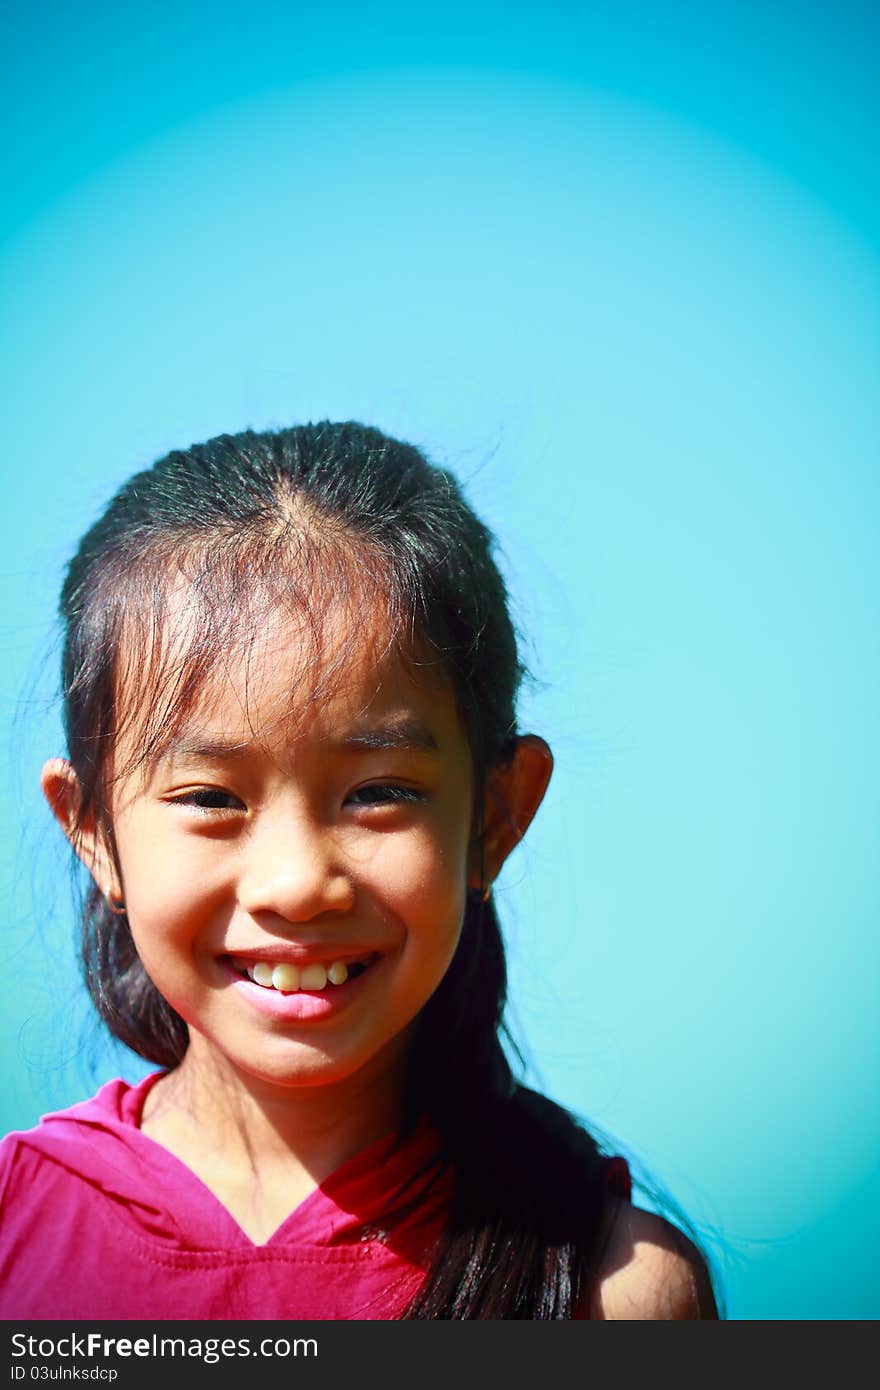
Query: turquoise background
616,265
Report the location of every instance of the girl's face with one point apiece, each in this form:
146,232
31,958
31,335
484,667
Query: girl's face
333,849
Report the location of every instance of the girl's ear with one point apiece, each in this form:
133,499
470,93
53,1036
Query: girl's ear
514,791
61,789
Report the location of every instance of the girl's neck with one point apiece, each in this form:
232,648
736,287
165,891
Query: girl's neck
205,1107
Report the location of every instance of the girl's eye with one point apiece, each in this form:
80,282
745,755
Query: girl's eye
384,794
210,799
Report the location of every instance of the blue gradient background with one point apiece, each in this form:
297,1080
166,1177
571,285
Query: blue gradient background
617,265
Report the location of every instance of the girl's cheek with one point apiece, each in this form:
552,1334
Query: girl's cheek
424,865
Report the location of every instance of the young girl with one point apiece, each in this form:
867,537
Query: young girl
293,774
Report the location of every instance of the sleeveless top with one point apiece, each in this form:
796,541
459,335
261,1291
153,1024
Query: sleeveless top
99,1221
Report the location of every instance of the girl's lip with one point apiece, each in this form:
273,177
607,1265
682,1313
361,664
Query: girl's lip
303,1006
299,955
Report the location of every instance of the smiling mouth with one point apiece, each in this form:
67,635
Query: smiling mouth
287,978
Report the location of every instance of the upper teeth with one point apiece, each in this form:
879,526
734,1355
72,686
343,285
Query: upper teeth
290,978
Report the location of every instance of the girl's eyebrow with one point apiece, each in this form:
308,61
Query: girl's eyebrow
198,748
407,734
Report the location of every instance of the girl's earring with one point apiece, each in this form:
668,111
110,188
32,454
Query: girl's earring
116,905
481,895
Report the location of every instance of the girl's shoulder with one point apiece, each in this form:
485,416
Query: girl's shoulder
78,1130
651,1271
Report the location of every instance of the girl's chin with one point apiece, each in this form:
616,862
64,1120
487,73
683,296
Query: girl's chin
284,1066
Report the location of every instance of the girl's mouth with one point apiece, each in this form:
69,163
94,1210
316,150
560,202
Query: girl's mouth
287,978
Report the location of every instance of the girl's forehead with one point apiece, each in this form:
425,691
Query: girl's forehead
281,676
286,680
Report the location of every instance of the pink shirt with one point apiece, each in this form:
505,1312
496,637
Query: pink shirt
99,1221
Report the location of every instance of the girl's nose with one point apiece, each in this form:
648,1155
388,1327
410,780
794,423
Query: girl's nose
293,870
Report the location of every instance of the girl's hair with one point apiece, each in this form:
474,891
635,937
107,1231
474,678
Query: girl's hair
216,537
